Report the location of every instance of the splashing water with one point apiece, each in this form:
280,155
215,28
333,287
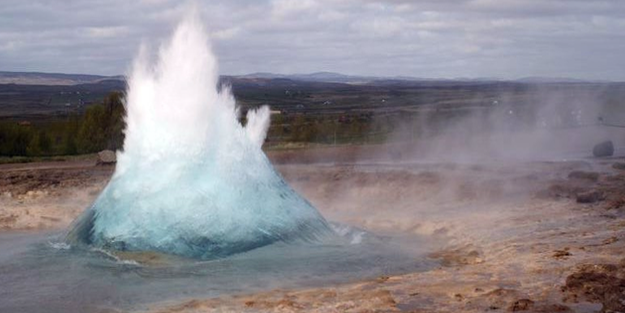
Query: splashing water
191,180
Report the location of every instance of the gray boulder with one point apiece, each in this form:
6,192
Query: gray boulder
604,149
589,196
106,157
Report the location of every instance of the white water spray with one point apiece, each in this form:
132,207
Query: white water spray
192,180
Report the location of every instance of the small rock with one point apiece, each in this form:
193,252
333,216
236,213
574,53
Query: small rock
553,308
589,196
591,176
610,240
106,157
521,305
604,149
618,166
459,256
561,254
7,219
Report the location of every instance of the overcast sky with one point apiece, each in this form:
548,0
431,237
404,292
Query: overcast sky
430,38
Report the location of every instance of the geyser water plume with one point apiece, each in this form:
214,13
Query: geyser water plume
191,179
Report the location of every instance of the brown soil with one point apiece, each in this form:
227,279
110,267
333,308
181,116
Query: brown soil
599,283
50,195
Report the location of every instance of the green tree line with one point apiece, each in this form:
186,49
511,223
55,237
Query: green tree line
100,127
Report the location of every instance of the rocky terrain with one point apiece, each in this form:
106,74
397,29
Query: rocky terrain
511,236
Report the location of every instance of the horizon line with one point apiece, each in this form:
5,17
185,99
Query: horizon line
397,77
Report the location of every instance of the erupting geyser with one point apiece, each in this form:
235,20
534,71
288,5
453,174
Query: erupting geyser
191,180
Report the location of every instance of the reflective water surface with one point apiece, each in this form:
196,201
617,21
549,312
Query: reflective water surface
40,273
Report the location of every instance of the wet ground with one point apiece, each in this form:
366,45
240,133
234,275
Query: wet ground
534,236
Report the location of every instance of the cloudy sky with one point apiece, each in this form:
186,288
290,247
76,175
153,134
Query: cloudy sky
429,38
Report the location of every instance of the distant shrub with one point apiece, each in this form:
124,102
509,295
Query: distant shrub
100,127
14,139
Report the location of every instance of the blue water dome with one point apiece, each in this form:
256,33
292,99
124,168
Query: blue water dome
191,180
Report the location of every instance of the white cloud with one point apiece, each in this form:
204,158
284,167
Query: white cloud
9,46
381,27
106,31
285,8
224,34
428,38
331,16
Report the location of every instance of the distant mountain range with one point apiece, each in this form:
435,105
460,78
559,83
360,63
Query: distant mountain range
52,79
331,77
38,78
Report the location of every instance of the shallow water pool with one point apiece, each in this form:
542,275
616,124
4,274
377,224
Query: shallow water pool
40,273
